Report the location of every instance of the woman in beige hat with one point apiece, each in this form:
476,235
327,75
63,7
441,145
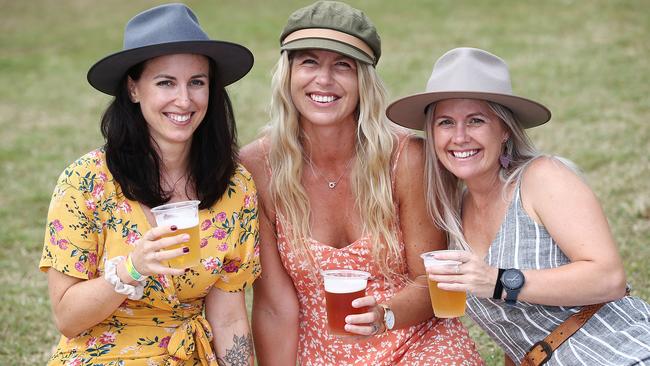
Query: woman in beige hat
537,244
169,137
339,188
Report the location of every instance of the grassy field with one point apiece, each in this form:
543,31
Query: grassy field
587,60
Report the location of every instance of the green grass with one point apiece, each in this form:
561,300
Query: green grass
588,61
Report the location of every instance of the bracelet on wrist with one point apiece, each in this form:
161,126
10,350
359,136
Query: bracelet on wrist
133,292
130,269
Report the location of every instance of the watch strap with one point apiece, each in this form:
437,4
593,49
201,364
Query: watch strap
498,286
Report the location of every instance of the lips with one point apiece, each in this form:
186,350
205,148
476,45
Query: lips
322,98
179,118
464,154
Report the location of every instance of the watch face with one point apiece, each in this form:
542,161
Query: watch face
389,319
512,279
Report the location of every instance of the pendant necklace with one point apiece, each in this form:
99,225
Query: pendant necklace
331,184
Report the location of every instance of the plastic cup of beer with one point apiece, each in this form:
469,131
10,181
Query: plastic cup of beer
341,287
185,215
446,304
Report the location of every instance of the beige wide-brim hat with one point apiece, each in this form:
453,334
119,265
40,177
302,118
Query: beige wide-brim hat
467,73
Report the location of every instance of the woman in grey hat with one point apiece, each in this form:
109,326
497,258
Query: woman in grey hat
538,249
169,137
340,188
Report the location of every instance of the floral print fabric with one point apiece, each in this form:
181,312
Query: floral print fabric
90,221
433,342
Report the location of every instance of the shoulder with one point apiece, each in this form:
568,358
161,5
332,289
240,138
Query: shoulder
548,172
410,150
88,167
253,156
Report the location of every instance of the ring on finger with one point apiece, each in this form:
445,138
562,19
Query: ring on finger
375,329
458,268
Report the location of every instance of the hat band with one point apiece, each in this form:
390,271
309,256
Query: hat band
330,34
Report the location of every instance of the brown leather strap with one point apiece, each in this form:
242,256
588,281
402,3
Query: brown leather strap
542,351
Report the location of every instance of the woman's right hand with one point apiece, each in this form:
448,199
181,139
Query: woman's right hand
149,256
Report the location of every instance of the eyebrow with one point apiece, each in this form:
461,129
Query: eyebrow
165,76
468,116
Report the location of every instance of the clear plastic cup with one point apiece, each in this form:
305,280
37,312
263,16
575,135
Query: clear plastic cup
185,215
341,287
446,304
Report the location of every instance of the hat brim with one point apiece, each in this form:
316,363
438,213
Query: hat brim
328,45
411,111
233,61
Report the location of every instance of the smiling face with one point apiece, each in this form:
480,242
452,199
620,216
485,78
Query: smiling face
173,92
468,138
324,87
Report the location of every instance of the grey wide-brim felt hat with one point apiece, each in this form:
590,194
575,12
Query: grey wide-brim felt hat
467,73
164,30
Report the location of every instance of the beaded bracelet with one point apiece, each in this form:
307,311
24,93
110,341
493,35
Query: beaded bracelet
110,275
130,268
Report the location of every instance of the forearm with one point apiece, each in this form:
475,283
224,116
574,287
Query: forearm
279,346
577,283
84,305
411,305
233,342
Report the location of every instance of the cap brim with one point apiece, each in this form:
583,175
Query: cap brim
411,111
328,45
233,61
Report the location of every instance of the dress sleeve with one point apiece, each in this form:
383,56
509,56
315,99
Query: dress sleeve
241,264
73,226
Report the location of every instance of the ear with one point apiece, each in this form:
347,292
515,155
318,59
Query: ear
506,136
133,91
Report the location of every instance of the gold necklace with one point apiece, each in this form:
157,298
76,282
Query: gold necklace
331,184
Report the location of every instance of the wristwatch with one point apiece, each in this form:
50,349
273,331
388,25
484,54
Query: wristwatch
389,317
512,280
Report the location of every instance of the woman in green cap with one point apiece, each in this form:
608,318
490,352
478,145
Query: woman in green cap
340,188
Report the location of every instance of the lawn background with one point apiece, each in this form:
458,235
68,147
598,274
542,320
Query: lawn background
587,60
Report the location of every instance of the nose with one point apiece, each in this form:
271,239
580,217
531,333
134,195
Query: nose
324,76
183,97
460,134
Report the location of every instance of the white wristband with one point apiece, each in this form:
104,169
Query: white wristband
110,275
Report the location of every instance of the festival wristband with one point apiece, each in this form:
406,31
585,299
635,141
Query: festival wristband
498,286
130,268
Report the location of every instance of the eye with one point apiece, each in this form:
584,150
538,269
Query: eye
197,82
165,83
344,65
307,61
476,121
445,122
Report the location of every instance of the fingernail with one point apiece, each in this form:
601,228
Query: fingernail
186,250
347,319
187,270
354,303
174,228
186,237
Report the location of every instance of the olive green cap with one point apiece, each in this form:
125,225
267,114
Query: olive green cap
332,26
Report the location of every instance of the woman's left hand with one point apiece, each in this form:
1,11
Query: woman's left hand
369,323
472,275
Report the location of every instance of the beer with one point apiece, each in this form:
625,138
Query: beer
446,304
193,257
341,288
185,215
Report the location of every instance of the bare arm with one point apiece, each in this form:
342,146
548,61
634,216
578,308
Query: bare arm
79,304
411,305
226,313
558,199
275,304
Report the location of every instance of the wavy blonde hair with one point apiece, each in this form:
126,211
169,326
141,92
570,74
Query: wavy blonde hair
445,191
370,176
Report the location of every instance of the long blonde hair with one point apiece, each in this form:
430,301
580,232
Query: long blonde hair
445,191
370,177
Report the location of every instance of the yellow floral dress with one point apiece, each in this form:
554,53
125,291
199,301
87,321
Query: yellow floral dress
90,221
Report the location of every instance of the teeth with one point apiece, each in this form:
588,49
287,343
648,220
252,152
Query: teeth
322,98
179,117
464,154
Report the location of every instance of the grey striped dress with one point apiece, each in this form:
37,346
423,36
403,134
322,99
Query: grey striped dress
619,334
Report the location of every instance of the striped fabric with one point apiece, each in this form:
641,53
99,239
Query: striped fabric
619,334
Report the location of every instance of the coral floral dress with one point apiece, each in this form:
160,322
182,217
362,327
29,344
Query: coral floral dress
90,221
433,342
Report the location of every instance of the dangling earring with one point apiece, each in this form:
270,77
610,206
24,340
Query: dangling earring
506,158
